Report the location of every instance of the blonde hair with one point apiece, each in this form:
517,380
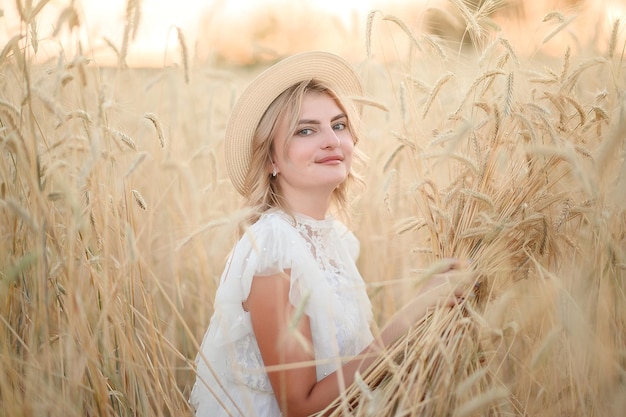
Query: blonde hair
264,190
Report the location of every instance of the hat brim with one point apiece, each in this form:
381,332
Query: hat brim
263,90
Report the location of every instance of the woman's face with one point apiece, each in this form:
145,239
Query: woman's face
319,154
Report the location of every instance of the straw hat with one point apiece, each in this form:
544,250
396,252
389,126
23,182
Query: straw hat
263,90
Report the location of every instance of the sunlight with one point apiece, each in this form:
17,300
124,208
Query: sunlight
103,23
245,32
154,37
616,10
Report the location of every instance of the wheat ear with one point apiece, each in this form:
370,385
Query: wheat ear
157,125
184,52
433,94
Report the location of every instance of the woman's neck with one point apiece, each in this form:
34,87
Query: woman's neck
310,203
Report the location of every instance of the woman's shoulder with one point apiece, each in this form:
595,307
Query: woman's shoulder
272,224
270,245
273,219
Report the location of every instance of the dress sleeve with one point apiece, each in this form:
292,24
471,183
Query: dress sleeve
271,247
274,246
268,247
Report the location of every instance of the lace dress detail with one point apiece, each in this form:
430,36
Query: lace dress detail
317,240
324,281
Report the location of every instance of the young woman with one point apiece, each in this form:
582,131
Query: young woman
291,321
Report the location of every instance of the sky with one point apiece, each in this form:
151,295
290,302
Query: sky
238,31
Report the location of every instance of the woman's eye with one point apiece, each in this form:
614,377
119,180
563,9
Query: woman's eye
305,132
339,126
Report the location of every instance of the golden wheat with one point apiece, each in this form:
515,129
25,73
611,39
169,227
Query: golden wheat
107,290
514,222
157,125
613,38
184,53
564,23
141,202
435,90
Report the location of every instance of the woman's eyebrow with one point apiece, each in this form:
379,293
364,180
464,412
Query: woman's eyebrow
308,122
317,122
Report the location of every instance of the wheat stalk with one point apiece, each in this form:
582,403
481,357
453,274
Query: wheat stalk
613,38
111,45
578,107
141,156
127,140
409,224
486,75
184,53
133,16
69,15
504,58
508,96
435,90
157,125
488,50
563,25
510,50
570,81
11,45
370,102
435,46
402,25
472,24
141,202
22,213
78,114
368,32
554,15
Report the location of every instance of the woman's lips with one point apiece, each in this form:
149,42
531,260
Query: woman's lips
330,159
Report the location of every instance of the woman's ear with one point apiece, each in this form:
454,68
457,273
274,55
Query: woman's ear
272,169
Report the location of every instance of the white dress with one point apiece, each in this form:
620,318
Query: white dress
325,283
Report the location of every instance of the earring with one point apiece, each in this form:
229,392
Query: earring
274,171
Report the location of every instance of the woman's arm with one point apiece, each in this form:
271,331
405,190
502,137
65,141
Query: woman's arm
285,341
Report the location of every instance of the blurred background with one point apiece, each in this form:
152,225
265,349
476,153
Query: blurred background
247,32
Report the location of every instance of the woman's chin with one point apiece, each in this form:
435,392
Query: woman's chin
336,180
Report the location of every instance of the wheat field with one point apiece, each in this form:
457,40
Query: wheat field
116,216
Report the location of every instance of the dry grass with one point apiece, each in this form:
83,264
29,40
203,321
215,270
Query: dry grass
112,242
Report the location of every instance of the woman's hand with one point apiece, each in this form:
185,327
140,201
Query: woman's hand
449,283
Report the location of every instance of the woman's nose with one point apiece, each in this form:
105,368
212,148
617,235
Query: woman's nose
331,140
